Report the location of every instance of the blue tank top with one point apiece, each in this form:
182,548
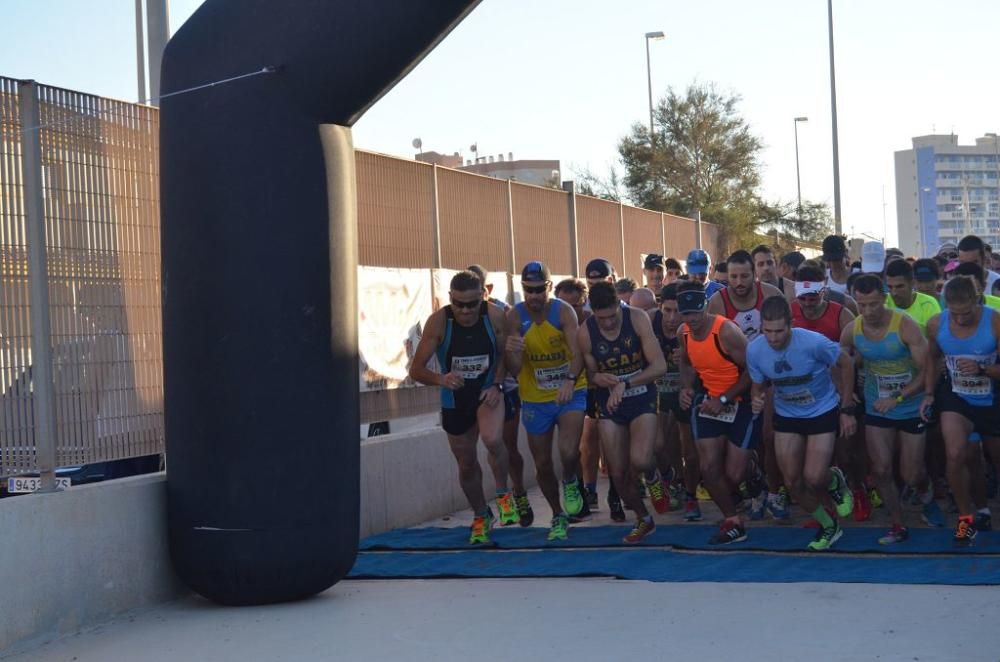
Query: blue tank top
981,347
623,356
888,368
471,351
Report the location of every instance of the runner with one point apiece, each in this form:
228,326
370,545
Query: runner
623,360
624,287
465,336
965,335
920,307
574,292
972,249
698,262
714,351
653,271
541,350
741,302
675,421
599,270
893,348
928,277
765,268
835,257
811,310
809,413
673,271
721,275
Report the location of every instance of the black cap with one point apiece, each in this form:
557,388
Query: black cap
834,248
598,268
653,261
924,272
535,272
479,271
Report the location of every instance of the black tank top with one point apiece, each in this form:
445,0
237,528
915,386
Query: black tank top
471,351
670,382
623,356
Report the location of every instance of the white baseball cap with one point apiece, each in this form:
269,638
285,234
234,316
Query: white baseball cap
872,257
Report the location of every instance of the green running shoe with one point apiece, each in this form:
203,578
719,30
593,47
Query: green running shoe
841,493
572,497
560,528
480,534
524,512
508,510
826,537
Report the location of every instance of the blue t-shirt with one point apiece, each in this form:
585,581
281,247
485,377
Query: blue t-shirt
800,372
711,287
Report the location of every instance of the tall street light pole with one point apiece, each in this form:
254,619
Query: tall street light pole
649,79
798,179
833,105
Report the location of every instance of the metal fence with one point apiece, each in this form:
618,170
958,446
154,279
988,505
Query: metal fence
79,232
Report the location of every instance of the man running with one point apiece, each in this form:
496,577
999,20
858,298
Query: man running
465,335
972,249
766,270
967,336
713,350
920,307
809,412
673,271
672,416
811,310
892,347
653,271
835,257
623,359
698,263
928,277
542,352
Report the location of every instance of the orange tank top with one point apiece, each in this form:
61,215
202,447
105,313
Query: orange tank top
714,367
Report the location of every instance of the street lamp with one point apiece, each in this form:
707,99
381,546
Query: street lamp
798,179
649,79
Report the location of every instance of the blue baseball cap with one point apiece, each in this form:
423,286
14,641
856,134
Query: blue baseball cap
698,261
535,272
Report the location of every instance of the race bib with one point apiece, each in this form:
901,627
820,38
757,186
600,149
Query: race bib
470,367
970,384
635,390
669,383
727,415
889,386
549,379
802,398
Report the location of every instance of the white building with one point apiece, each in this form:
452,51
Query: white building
945,191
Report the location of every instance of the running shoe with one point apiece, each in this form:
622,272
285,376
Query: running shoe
983,522
480,533
952,504
966,531
862,505
560,528
826,537
508,509
777,504
592,500
643,527
525,514
657,496
728,533
676,492
874,497
932,515
572,497
583,515
702,494
616,509
896,534
841,493
692,511
758,506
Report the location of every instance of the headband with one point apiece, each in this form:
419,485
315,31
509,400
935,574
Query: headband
691,301
808,287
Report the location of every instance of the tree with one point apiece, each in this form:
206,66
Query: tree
813,224
607,189
702,155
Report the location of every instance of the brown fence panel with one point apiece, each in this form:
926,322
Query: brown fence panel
395,212
643,235
541,228
710,241
680,236
598,230
474,221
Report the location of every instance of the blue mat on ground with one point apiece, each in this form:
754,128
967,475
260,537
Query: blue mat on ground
664,566
856,540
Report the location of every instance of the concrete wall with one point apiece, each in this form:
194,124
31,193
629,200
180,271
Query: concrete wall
73,559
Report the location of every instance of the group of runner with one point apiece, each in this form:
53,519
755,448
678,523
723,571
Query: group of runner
832,384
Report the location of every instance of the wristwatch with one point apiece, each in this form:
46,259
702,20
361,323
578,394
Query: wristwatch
848,410
900,399
723,399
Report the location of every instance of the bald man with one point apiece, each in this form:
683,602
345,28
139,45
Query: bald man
644,298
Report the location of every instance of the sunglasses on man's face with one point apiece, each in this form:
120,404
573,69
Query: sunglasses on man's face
467,305
535,289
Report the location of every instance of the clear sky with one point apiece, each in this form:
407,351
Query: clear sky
564,79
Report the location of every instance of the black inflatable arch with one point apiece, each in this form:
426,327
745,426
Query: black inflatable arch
259,254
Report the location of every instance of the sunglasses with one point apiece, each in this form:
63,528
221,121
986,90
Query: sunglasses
466,305
535,289
949,256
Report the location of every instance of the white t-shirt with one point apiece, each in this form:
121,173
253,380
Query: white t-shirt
831,284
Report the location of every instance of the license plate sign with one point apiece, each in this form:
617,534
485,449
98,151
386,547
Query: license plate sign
26,484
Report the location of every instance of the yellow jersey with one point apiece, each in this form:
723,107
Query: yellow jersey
547,356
